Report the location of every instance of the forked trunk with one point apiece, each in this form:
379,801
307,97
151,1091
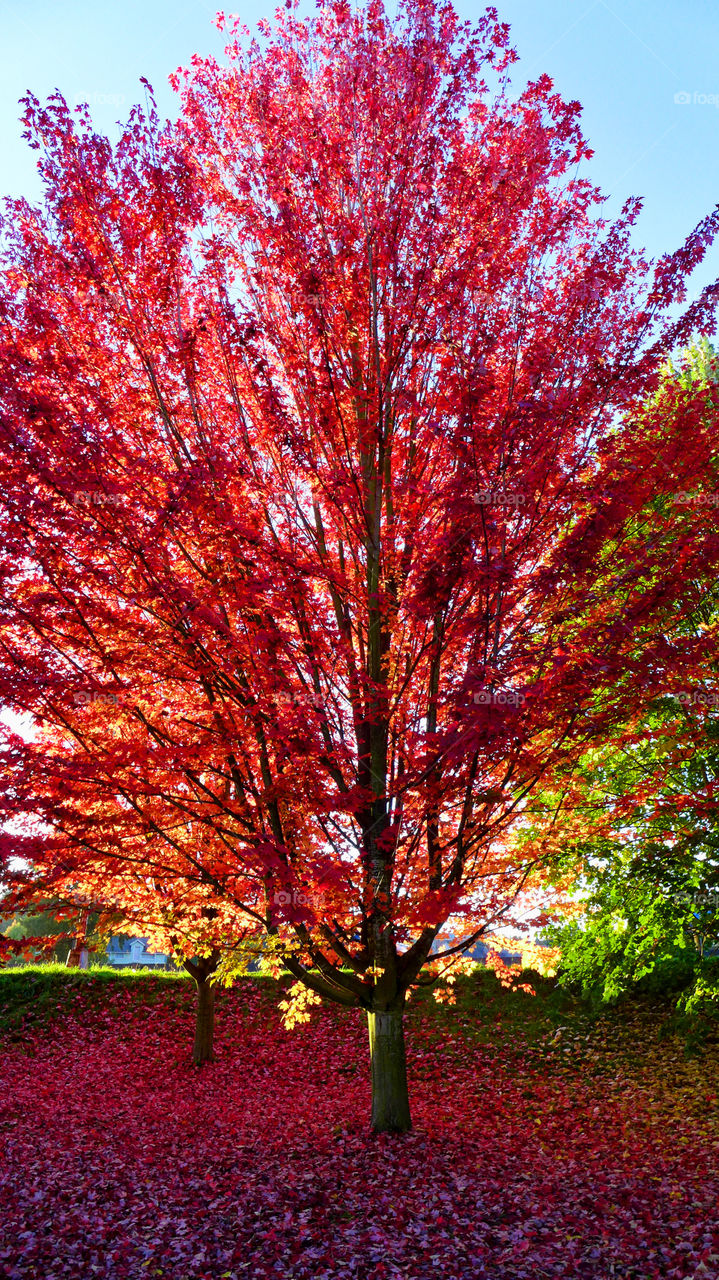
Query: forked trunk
205,1022
390,1099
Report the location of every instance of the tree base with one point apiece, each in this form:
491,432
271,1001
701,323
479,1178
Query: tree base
390,1097
203,1048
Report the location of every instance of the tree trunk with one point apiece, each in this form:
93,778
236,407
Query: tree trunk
78,957
202,1050
390,1099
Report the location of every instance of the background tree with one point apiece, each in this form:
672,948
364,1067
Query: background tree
317,440
41,925
637,822
640,832
196,935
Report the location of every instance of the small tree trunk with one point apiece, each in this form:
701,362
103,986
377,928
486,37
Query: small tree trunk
78,956
390,1098
202,969
202,1050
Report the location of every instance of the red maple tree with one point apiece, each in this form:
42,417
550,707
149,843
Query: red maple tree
318,424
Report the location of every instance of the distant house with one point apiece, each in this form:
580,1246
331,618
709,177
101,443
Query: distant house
124,951
481,949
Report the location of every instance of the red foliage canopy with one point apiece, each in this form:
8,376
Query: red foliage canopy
319,415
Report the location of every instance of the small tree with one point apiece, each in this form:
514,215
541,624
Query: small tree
124,896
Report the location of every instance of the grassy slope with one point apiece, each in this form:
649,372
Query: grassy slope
32,994
552,1024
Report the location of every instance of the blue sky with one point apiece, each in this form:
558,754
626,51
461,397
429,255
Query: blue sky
625,60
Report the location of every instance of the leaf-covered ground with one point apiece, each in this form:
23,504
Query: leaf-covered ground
537,1152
